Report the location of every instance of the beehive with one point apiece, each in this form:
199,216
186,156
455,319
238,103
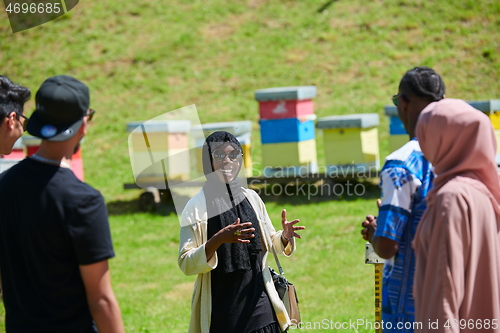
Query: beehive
351,142
287,131
398,136
288,147
492,109
159,149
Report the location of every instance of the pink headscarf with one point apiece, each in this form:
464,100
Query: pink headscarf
459,141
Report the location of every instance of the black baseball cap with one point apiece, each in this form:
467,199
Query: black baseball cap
61,103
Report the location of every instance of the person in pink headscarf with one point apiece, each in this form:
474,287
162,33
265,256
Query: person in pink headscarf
457,244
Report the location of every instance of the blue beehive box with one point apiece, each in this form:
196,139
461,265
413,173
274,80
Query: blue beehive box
287,130
396,126
397,132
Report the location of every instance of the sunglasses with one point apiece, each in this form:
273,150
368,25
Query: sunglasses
219,155
90,114
395,99
25,124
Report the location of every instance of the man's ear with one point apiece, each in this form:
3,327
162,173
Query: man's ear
83,128
11,120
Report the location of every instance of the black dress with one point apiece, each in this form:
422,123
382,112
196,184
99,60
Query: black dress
239,300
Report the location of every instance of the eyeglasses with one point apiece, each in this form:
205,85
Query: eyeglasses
219,155
25,123
90,114
395,98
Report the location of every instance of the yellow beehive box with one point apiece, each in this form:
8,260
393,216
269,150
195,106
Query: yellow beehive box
289,153
159,149
159,135
291,171
497,136
289,159
495,119
351,141
492,109
159,140
166,164
247,155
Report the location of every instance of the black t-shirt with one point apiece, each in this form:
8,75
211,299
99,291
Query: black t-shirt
50,223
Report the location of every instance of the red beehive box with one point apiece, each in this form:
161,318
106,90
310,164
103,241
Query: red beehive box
285,109
285,102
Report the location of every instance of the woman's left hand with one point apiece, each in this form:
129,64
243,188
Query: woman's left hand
289,227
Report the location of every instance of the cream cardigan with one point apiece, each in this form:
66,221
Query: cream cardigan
192,259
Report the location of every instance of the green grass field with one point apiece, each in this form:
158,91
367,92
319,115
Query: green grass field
142,59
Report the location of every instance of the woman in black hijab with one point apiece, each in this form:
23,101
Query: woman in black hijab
225,236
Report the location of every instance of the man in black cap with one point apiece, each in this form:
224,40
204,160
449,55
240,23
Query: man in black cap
55,240
12,119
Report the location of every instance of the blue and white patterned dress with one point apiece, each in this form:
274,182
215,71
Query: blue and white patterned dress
405,180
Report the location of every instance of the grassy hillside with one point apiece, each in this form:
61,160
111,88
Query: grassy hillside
145,58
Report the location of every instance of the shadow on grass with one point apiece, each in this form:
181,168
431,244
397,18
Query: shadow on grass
163,208
326,5
122,207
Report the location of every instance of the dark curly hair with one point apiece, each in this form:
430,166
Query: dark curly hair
423,82
12,97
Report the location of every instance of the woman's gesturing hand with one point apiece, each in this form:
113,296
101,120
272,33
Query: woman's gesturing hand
236,233
233,233
289,227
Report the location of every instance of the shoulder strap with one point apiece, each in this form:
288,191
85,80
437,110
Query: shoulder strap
277,260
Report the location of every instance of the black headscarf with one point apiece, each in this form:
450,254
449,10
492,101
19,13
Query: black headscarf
225,204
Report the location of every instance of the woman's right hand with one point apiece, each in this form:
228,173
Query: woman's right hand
233,233
236,233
